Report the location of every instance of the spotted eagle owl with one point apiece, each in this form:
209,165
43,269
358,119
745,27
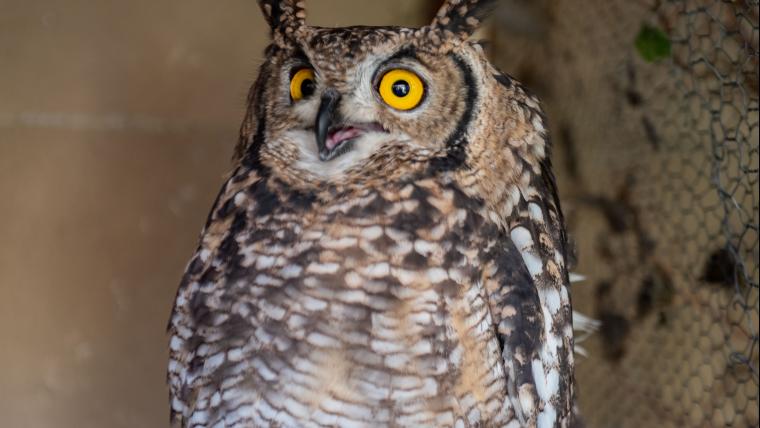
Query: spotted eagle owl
388,250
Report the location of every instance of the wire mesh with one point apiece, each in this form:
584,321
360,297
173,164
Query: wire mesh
657,160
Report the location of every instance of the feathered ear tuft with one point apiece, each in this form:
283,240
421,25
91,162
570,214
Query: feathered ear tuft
462,17
285,17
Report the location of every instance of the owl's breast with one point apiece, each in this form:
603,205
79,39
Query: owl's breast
365,311
413,357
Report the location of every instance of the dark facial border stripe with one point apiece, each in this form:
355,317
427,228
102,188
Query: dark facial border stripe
252,157
457,138
456,142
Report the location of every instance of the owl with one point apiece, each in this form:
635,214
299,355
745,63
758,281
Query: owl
388,250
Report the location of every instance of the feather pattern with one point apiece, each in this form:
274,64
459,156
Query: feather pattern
285,17
462,17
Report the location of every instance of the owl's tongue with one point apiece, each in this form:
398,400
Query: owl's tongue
340,135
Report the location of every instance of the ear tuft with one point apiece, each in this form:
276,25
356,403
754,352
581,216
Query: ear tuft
461,17
285,17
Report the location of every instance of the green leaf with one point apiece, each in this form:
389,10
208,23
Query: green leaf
652,43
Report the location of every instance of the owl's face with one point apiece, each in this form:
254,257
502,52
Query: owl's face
335,97
344,105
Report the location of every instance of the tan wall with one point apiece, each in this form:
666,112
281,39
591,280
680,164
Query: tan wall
117,120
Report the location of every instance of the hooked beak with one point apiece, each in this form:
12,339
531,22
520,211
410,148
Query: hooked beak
334,136
327,116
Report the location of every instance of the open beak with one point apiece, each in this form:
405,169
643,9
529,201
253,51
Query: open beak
334,136
328,117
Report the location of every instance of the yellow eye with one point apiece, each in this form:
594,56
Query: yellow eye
302,84
401,89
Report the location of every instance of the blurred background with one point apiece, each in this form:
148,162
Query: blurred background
118,120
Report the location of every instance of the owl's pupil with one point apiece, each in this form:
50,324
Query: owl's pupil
400,88
307,87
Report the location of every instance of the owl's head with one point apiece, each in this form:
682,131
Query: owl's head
330,102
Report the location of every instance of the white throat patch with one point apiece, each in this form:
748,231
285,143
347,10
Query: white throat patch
363,147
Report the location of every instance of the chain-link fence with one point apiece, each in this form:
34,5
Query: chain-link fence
654,110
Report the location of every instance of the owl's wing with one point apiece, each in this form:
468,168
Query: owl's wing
528,293
200,325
